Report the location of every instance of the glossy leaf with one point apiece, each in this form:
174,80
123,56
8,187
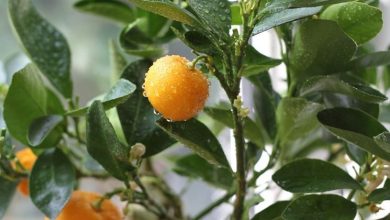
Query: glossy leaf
195,167
195,135
7,190
51,182
333,100
320,47
272,212
302,3
320,207
251,131
371,60
115,10
215,14
152,25
275,17
256,63
117,60
50,53
314,176
103,144
296,117
196,41
265,102
118,94
359,20
136,42
167,9
381,194
25,102
41,128
354,126
334,84
356,154
383,141
137,116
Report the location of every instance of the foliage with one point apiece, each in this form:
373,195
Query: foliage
332,102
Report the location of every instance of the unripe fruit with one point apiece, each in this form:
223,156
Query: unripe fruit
175,89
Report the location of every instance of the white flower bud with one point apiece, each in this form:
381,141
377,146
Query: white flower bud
137,151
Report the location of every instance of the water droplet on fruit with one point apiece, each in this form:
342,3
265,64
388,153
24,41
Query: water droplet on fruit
156,112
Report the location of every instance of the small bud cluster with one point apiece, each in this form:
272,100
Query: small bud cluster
243,112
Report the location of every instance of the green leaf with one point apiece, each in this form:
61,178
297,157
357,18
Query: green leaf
26,101
152,25
103,144
296,117
196,167
196,41
360,21
303,3
84,162
251,131
272,212
44,44
334,84
320,47
51,182
313,176
137,116
356,154
117,59
275,17
256,63
354,126
236,14
370,60
250,203
383,141
320,207
333,100
167,9
118,94
265,102
7,190
136,42
215,14
195,135
115,10
42,127
381,194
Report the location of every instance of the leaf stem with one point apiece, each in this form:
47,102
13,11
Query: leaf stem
161,211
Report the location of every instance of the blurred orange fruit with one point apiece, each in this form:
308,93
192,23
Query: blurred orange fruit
26,158
174,89
81,207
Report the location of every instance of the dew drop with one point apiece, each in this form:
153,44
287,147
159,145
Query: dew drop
144,94
156,112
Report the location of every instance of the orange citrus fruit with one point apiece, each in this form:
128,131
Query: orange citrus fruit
81,207
174,89
26,158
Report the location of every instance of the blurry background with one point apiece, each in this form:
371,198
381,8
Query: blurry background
88,38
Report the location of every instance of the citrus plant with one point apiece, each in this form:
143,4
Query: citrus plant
334,107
